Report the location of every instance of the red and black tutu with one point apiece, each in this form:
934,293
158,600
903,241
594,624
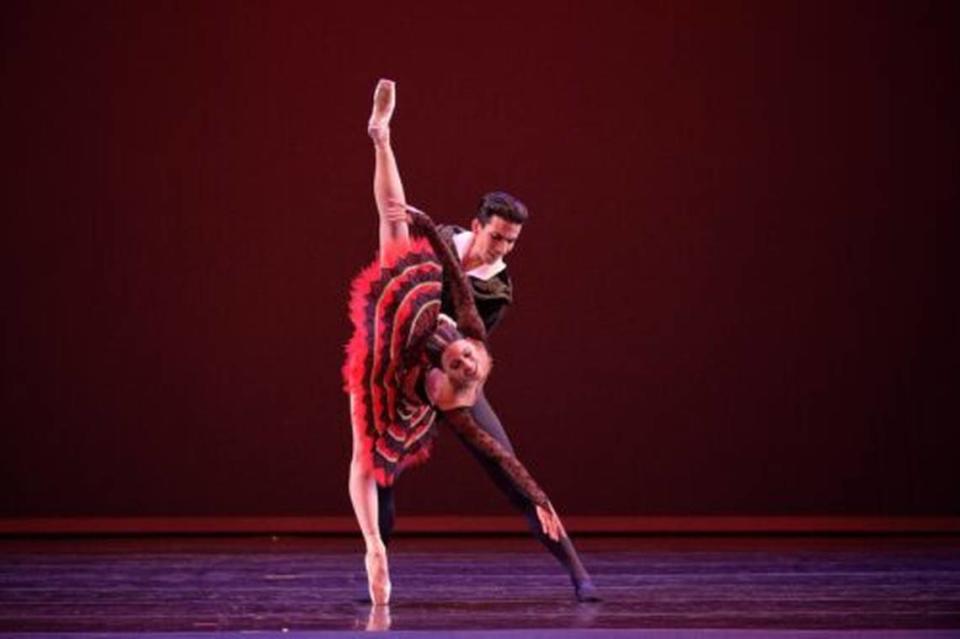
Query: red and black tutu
393,308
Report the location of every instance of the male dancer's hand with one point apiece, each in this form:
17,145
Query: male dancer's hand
550,523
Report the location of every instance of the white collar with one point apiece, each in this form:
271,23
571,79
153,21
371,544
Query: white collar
483,272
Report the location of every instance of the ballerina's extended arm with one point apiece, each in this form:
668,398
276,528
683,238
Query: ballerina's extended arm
468,319
463,423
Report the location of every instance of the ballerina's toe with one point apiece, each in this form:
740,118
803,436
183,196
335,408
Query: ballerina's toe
384,101
378,578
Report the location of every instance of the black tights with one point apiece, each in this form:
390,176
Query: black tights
563,550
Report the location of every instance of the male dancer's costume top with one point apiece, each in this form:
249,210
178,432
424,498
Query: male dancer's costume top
394,307
491,296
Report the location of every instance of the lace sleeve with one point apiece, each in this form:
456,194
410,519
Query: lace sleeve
464,424
468,319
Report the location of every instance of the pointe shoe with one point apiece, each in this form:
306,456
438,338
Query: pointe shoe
378,618
378,578
384,101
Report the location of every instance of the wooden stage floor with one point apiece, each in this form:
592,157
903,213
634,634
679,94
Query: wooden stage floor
723,586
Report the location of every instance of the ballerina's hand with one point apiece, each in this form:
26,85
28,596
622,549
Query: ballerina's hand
550,522
418,217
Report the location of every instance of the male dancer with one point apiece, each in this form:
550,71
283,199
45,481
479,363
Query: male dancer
493,234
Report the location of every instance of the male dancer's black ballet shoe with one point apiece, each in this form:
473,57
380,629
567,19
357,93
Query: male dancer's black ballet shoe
587,592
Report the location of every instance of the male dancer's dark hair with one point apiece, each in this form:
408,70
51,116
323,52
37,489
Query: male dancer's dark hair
502,205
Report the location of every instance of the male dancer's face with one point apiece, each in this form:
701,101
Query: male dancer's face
495,239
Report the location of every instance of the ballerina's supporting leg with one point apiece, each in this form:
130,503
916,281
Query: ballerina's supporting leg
363,496
393,234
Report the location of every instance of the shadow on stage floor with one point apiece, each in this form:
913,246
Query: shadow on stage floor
715,587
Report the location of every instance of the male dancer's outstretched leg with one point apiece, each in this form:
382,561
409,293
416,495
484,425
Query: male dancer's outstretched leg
562,548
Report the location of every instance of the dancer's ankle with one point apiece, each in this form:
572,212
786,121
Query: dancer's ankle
375,545
380,134
378,575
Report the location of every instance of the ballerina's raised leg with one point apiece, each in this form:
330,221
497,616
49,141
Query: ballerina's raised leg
387,186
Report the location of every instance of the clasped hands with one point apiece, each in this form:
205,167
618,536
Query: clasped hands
398,212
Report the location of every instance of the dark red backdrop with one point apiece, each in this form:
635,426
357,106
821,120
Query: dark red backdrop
732,296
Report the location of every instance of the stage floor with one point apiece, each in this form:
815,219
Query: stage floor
297,584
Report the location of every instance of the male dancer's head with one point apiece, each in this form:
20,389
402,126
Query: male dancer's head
496,226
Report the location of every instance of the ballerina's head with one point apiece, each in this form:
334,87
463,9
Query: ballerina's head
463,360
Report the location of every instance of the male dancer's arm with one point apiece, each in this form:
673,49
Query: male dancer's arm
468,319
